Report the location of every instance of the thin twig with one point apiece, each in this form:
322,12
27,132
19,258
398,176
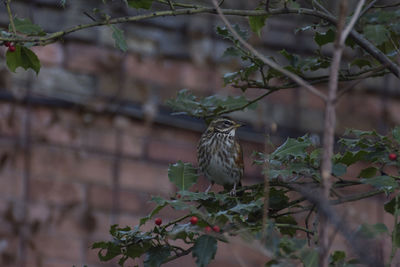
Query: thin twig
306,223
266,60
321,7
368,7
244,106
361,78
266,189
365,253
192,9
178,255
10,16
352,22
171,5
330,119
387,6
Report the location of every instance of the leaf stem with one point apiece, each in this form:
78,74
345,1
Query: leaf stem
11,17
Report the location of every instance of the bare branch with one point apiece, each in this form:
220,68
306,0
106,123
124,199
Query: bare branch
352,22
194,9
364,251
330,121
266,60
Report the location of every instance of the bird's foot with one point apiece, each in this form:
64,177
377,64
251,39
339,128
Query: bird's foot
233,191
208,188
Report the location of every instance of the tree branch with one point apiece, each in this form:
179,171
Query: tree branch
178,255
266,60
358,38
330,119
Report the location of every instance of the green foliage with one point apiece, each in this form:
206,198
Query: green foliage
22,57
25,26
119,39
378,34
183,175
292,148
156,256
257,23
295,162
204,250
372,231
386,183
145,4
392,206
324,38
189,104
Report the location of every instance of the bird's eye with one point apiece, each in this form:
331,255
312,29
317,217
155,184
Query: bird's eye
227,123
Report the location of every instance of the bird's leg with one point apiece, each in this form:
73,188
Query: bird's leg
209,187
233,191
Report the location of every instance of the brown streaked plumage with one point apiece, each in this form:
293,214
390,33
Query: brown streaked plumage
220,155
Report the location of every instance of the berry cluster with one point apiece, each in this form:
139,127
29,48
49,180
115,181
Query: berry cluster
10,46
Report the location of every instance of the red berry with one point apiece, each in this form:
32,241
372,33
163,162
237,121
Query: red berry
216,228
194,220
11,48
178,196
392,156
207,229
158,221
7,44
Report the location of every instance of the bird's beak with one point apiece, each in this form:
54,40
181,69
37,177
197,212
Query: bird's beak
237,125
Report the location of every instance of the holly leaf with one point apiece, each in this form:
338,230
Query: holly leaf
324,38
309,257
368,172
119,39
338,256
111,249
396,133
156,256
183,175
204,250
145,4
25,26
277,199
292,147
372,230
231,51
386,183
256,23
361,62
391,205
287,220
350,158
378,34
22,57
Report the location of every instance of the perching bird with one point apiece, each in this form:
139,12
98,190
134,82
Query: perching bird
219,154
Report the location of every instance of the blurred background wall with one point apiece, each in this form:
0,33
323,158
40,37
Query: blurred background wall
86,142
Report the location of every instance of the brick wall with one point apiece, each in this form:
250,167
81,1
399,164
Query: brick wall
95,140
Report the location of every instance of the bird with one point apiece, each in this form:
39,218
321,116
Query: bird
220,155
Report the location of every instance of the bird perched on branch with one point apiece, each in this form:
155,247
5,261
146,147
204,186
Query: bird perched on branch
219,154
